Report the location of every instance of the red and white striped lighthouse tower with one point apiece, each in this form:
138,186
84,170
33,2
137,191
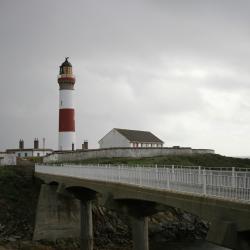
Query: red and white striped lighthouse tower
66,81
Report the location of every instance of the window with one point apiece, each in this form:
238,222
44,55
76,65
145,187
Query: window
19,154
25,154
38,154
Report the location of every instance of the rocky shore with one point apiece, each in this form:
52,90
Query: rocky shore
111,231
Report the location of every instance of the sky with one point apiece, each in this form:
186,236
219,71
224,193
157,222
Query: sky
180,69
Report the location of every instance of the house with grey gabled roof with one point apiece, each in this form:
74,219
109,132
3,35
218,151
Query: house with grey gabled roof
126,138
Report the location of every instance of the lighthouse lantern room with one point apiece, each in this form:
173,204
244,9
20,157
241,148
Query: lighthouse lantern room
66,81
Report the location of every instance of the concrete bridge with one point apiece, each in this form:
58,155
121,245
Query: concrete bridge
221,197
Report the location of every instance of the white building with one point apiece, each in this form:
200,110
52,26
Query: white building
7,159
125,138
29,152
22,152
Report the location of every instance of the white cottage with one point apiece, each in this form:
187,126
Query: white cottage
23,152
126,138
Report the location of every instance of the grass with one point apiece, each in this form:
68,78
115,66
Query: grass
206,160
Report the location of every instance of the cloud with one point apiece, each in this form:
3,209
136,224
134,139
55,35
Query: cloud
179,69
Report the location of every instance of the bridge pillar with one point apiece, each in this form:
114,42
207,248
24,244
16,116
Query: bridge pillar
86,237
86,196
225,233
57,214
243,241
140,233
138,212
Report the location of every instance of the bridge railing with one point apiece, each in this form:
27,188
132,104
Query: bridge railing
219,183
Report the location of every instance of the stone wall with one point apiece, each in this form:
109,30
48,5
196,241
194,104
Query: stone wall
121,152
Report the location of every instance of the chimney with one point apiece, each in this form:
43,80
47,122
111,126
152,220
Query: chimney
85,145
21,144
43,143
36,143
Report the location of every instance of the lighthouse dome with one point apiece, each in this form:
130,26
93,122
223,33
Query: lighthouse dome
66,68
66,63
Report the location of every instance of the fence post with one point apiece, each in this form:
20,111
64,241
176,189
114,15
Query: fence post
119,173
156,173
106,173
204,181
168,178
140,174
173,174
199,175
233,177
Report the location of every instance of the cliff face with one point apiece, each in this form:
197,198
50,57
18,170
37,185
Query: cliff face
18,201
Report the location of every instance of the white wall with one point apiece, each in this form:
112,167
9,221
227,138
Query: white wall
66,139
114,139
25,153
66,99
146,145
7,159
41,152
30,153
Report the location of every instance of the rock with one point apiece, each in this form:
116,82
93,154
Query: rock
191,227
11,239
17,237
2,227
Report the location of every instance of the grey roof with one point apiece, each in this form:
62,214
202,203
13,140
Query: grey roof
139,136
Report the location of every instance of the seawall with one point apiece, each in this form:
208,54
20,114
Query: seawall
122,152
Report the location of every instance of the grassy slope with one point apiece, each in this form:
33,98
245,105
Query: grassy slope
207,160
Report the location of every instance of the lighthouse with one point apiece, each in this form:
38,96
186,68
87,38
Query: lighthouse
66,81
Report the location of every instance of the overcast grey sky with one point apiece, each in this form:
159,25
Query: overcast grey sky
178,68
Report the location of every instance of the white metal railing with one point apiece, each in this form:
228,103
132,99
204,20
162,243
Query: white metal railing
228,184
